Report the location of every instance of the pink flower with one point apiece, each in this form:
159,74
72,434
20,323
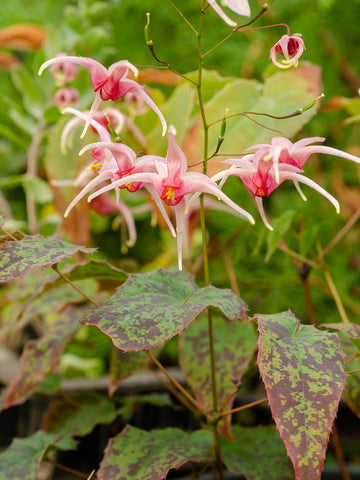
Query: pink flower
291,47
66,96
173,184
108,84
241,7
264,171
63,72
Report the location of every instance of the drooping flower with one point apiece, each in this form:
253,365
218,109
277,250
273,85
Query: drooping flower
108,84
241,7
173,184
264,171
291,48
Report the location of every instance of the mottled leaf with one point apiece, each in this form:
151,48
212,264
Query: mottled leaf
351,394
122,365
40,356
17,258
78,414
257,453
303,372
150,308
139,455
234,345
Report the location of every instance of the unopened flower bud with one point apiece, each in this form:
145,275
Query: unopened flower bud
291,47
66,97
63,72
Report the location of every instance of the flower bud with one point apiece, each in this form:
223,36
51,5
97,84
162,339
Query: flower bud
291,47
66,97
63,72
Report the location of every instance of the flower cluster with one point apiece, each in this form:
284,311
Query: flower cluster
115,166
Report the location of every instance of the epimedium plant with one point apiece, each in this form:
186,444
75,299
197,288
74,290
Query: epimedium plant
302,366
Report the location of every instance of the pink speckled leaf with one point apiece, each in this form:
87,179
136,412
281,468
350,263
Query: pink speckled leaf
303,372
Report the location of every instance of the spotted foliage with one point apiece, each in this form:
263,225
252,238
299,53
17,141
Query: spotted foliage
150,308
18,257
303,372
234,344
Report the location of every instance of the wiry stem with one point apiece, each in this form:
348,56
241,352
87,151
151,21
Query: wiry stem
205,255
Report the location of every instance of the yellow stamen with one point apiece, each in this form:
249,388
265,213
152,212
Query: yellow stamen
170,193
96,166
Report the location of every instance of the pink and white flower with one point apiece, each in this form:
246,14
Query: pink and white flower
291,48
108,84
173,183
241,7
264,171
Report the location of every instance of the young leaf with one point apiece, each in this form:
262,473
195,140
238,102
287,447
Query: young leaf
234,344
17,258
136,454
150,308
258,453
303,372
40,356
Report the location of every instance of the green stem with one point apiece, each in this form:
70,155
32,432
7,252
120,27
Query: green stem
205,255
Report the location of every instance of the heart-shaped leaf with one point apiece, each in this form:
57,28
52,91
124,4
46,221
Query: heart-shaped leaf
303,372
150,308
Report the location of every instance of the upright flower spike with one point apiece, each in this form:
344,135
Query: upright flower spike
108,84
291,47
173,183
241,7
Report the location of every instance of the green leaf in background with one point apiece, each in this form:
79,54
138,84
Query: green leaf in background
38,188
40,356
27,85
303,372
234,343
150,308
136,454
280,225
257,453
17,258
281,94
77,414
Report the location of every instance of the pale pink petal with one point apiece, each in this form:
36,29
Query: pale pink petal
152,105
221,13
260,206
156,197
94,108
241,7
179,215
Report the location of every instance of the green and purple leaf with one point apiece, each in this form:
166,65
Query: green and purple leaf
303,372
40,356
150,308
18,258
136,454
234,344
257,453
